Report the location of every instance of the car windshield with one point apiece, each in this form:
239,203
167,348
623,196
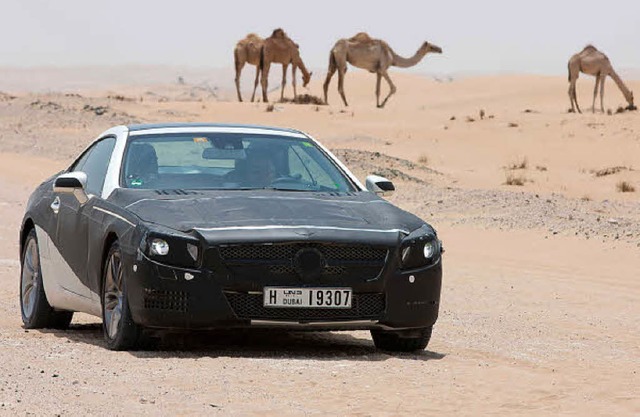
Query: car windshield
232,161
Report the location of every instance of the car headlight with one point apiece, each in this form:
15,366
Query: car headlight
421,248
159,247
171,250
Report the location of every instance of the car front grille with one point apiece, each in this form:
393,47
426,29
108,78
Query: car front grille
277,252
351,262
166,300
250,306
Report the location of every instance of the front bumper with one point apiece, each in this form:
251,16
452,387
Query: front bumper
166,297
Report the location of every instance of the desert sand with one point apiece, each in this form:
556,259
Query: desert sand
540,307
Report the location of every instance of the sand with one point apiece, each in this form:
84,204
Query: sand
541,299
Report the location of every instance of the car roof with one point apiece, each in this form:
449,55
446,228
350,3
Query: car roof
150,126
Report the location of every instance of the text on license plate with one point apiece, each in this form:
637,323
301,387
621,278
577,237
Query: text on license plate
307,297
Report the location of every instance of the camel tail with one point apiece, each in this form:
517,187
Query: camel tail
333,64
261,64
235,57
569,71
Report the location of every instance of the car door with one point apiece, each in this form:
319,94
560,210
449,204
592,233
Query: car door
73,220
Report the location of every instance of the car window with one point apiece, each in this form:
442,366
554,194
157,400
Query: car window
303,165
94,163
233,161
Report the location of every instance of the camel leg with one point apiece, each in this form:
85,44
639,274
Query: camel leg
378,80
239,66
595,93
573,96
392,89
570,92
285,67
293,81
341,73
602,80
255,83
332,70
264,80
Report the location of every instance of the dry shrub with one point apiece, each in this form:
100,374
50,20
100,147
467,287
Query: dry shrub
304,99
625,187
541,168
515,180
519,164
610,171
270,108
511,124
423,159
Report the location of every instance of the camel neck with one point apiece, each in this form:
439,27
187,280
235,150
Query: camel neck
298,63
625,91
402,62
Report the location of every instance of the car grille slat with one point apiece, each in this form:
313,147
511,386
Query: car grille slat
250,306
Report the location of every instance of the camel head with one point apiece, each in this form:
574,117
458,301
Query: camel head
306,78
429,47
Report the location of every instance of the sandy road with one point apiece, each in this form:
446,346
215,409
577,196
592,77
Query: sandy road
529,325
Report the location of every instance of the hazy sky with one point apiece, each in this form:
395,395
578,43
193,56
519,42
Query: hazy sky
536,36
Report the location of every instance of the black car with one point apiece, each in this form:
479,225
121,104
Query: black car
201,226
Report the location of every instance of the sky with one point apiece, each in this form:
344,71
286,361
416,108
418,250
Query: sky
477,36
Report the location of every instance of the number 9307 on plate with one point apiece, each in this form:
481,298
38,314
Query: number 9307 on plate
307,297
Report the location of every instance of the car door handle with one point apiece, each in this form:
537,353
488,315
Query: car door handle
55,206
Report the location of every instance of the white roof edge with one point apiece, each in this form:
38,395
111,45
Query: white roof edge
217,129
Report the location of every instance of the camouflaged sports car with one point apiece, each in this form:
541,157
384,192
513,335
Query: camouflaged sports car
199,226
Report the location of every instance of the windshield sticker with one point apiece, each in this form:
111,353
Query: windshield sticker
200,140
136,182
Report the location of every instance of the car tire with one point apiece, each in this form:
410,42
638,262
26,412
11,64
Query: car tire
120,331
35,309
402,340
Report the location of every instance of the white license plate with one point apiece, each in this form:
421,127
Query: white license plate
307,297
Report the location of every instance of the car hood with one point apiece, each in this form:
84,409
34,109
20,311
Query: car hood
224,215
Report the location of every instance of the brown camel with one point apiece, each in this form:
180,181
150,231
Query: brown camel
593,62
374,55
280,49
247,50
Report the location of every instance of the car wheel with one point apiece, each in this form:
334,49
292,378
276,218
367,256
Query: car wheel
120,331
36,311
402,340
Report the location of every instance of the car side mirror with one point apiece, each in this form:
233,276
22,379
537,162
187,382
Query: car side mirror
379,185
72,183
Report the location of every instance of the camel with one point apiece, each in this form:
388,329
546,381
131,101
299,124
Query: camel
374,55
247,50
593,62
280,49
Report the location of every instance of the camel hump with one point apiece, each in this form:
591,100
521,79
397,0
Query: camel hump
361,37
253,36
278,33
590,48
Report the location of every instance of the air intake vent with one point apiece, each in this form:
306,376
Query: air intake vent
176,192
166,300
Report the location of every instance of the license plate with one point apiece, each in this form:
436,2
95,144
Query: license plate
307,297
